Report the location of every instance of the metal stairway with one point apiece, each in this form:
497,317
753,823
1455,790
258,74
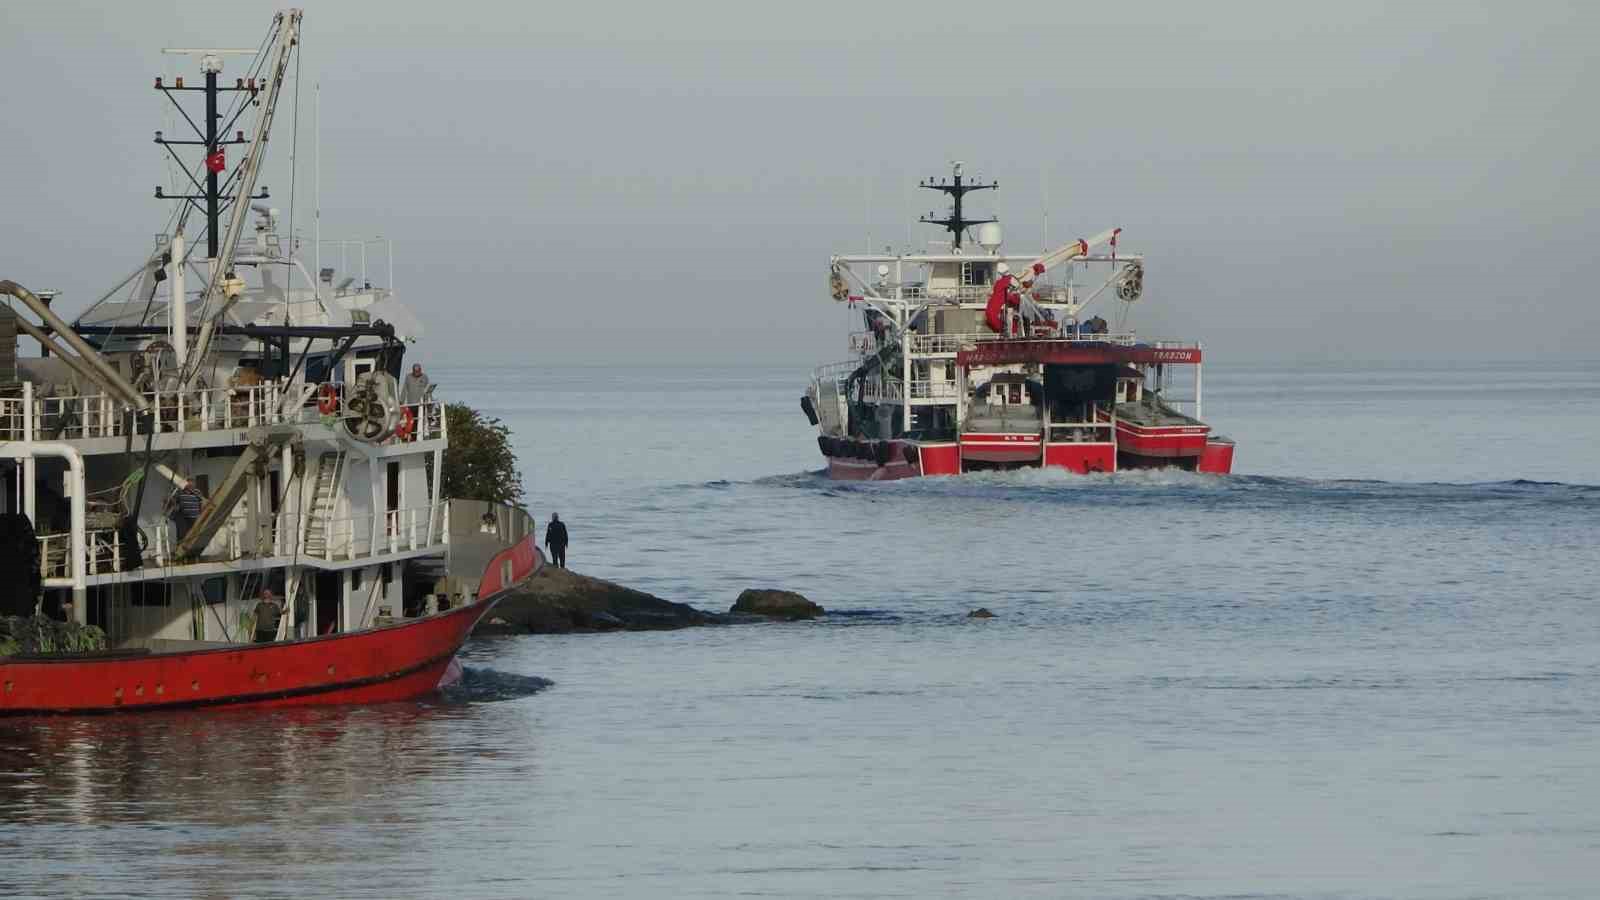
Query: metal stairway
324,499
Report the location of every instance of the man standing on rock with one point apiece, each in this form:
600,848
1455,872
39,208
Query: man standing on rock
555,537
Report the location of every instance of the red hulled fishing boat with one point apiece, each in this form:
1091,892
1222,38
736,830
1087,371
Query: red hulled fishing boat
388,662
218,474
971,359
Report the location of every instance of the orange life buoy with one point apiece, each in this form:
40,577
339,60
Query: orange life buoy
408,423
328,399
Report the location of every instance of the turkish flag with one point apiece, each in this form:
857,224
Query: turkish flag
216,162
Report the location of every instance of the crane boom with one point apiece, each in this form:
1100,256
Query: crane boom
1067,253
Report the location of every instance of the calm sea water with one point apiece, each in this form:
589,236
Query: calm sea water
1368,666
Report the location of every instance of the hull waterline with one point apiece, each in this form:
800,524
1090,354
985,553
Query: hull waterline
393,662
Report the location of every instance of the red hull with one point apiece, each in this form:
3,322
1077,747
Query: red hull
393,662
1217,458
1001,448
931,459
1161,441
1081,458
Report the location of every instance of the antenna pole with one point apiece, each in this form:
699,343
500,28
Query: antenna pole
316,185
213,204
957,188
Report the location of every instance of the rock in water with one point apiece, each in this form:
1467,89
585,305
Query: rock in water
776,604
557,601
981,612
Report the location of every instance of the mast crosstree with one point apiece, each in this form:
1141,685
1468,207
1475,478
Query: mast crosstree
957,188
212,137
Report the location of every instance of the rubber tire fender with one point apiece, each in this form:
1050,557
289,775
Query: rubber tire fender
883,452
909,451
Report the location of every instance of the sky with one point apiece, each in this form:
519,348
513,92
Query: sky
664,183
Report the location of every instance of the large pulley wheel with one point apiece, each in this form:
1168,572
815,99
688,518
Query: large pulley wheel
1131,287
371,412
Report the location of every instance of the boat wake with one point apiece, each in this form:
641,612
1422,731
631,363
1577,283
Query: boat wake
1152,485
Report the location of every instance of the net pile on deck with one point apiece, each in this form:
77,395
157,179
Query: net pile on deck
35,635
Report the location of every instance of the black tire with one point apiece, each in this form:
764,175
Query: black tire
822,444
909,451
883,452
807,408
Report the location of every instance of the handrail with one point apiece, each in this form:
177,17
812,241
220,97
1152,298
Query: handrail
87,416
952,343
349,538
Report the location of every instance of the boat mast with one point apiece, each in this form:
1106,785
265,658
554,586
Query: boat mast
287,28
211,136
957,188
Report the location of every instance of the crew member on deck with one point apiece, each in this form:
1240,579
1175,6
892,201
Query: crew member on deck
186,506
555,537
268,611
415,388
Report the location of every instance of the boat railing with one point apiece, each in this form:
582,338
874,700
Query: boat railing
896,391
402,530
934,390
347,539
88,416
949,344
838,370
962,293
968,293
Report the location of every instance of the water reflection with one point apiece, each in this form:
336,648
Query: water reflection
218,800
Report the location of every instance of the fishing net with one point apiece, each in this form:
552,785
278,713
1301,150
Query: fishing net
22,635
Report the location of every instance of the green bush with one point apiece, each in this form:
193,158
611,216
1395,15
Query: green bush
479,463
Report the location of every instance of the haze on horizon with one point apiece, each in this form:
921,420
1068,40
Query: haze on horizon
665,183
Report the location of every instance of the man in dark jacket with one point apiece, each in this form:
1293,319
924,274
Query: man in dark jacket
555,537
186,506
267,611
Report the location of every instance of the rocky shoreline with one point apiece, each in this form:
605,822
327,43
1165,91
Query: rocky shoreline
560,601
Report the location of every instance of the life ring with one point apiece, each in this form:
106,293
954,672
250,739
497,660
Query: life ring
408,423
327,399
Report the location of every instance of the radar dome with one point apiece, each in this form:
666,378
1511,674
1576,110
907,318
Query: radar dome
989,235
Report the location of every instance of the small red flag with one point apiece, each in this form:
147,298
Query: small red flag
216,162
